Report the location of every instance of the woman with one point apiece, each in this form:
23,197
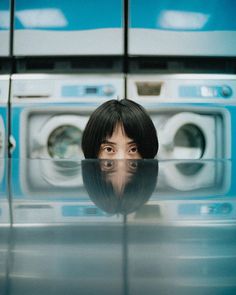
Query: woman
120,130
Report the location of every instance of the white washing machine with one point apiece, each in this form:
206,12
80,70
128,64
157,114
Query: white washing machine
193,115
49,112
48,115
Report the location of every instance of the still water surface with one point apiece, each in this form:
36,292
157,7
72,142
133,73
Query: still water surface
117,227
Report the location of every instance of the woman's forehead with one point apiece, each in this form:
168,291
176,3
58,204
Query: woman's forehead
118,130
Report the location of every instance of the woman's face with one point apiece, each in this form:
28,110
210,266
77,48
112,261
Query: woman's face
119,146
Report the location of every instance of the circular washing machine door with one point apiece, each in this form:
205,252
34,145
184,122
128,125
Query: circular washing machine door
187,136
60,137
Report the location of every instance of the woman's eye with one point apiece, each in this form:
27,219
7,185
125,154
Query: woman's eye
108,149
134,150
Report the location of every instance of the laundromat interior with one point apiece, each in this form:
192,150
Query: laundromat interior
70,225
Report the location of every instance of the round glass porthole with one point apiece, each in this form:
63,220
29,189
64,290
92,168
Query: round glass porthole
64,142
190,169
189,142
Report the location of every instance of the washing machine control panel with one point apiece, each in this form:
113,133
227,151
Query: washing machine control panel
206,91
206,209
82,211
105,90
39,88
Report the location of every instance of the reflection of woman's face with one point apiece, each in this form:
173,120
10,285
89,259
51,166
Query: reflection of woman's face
119,173
119,146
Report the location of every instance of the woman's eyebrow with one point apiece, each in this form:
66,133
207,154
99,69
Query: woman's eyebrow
114,143
132,142
108,142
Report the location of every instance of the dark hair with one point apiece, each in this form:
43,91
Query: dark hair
136,192
136,123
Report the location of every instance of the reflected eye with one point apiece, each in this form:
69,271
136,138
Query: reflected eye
132,165
107,165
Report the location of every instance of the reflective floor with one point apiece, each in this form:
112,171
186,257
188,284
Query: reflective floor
117,227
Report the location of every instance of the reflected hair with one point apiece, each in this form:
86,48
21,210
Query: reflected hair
135,121
136,192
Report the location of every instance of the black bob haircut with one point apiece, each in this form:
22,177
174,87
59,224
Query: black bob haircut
135,120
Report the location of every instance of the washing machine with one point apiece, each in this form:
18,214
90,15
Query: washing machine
5,28
68,28
49,112
194,116
48,115
182,28
4,95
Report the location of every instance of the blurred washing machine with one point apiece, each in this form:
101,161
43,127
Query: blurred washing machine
49,112
4,95
182,28
68,28
48,115
194,116
5,27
